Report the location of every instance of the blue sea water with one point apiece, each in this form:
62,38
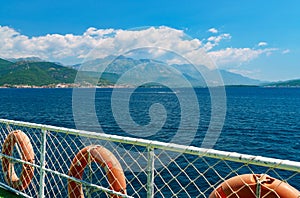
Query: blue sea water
259,121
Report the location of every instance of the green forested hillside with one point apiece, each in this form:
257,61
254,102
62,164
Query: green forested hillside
34,73
4,64
46,73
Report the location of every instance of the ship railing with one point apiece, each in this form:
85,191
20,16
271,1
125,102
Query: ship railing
151,168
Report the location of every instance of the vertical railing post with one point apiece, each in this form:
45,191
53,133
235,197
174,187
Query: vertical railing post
90,175
150,172
42,163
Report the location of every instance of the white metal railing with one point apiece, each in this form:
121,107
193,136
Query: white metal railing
152,168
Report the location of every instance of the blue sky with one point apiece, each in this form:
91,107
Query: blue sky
259,39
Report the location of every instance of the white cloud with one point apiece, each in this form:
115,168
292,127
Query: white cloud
106,41
237,55
97,43
215,40
286,51
213,30
261,44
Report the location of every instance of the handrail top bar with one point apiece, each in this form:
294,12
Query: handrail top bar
212,153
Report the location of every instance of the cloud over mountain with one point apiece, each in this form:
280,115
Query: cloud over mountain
98,43
237,55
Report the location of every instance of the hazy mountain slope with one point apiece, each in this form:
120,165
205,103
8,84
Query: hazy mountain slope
230,78
121,65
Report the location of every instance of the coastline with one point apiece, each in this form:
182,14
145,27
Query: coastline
61,85
74,85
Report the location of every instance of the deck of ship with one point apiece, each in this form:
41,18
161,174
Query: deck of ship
4,193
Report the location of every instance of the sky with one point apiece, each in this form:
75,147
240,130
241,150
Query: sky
258,39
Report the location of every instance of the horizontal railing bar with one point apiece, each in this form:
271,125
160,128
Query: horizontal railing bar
17,160
66,176
211,153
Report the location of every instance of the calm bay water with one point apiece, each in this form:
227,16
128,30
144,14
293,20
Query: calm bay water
259,121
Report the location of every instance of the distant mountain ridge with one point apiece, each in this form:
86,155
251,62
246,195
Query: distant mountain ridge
34,71
288,83
26,59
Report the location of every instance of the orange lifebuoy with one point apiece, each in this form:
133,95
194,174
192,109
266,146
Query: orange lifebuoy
253,186
10,176
106,159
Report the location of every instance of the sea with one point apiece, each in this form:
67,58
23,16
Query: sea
257,121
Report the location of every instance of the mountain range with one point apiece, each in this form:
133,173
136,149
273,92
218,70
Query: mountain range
122,70
288,83
136,71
